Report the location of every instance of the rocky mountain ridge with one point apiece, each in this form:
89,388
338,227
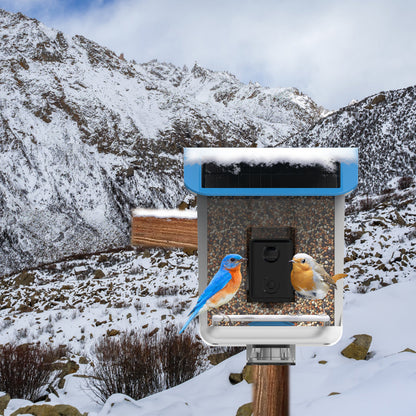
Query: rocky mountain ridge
86,136
382,126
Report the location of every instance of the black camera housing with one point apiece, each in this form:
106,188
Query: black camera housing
269,270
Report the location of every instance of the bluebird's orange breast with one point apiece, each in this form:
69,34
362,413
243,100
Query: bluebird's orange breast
230,289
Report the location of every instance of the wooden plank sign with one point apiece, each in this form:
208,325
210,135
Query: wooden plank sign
164,228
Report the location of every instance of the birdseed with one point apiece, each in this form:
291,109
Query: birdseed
232,220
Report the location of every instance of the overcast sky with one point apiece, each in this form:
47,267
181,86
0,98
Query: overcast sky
332,50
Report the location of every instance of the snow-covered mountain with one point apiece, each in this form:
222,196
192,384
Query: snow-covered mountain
382,126
86,136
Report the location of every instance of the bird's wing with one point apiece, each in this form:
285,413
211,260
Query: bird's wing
325,276
221,278
219,281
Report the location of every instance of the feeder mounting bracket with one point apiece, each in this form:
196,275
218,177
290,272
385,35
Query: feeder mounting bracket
271,354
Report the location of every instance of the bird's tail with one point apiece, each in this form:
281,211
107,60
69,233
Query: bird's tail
193,313
339,276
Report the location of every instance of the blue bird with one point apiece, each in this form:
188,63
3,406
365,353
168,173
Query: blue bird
222,287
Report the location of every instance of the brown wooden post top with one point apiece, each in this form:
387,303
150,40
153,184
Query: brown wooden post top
164,228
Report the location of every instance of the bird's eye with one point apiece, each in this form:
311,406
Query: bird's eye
303,261
232,259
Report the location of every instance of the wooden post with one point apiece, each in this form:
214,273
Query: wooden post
271,390
147,231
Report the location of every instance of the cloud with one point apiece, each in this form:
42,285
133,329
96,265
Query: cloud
332,51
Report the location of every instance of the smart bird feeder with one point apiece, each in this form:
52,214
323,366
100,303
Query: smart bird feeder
267,204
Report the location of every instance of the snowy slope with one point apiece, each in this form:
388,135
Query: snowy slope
383,385
381,239
86,136
76,302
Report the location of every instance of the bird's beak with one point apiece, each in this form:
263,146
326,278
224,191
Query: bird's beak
291,261
242,260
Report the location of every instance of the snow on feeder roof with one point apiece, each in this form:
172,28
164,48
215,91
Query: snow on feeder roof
326,157
271,171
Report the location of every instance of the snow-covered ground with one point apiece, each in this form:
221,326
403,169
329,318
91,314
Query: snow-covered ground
78,301
384,385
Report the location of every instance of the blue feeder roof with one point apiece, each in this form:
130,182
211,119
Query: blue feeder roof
271,171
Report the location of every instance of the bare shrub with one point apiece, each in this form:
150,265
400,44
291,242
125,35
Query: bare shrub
138,305
178,307
412,233
139,364
162,303
219,354
386,191
180,356
367,203
26,369
121,304
230,351
167,291
7,323
124,365
22,333
350,209
361,289
134,270
387,197
58,316
405,182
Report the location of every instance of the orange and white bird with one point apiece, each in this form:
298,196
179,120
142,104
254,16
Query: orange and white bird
310,279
